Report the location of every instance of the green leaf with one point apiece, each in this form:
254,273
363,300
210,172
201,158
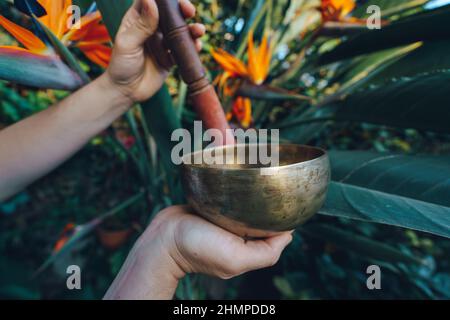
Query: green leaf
162,120
361,245
266,92
425,178
353,202
427,26
428,58
361,70
36,70
380,67
112,13
419,102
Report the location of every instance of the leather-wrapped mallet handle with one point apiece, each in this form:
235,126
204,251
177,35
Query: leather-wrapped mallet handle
182,46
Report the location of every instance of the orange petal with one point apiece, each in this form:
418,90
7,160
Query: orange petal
336,10
229,63
57,16
18,51
242,111
24,36
265,57
223,83
248,113
64,237
259,60
60,244
344,6
86,23
91,30
97,33
98,53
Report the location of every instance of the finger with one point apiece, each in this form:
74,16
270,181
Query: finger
187,9
197,30
198,45
279,242
139,23
252,255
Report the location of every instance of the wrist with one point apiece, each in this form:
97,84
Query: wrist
159,236
108,87
147,274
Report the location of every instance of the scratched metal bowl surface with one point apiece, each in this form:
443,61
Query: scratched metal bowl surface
239,198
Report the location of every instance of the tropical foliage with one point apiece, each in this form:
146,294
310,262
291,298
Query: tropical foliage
377,99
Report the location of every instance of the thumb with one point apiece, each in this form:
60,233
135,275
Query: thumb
139,23
257,254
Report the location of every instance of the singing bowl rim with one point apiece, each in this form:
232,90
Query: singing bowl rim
324,155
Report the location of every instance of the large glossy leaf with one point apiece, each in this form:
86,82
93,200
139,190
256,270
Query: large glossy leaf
361,71
425,178
420,102
359,203
366,94
377,68
428,58
428,26
35,70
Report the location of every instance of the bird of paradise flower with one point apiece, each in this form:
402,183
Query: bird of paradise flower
255,71
91,38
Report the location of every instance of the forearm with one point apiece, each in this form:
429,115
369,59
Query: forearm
33,147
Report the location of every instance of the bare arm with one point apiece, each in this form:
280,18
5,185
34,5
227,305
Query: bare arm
35,146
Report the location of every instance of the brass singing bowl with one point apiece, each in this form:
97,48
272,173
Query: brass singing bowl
251,202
